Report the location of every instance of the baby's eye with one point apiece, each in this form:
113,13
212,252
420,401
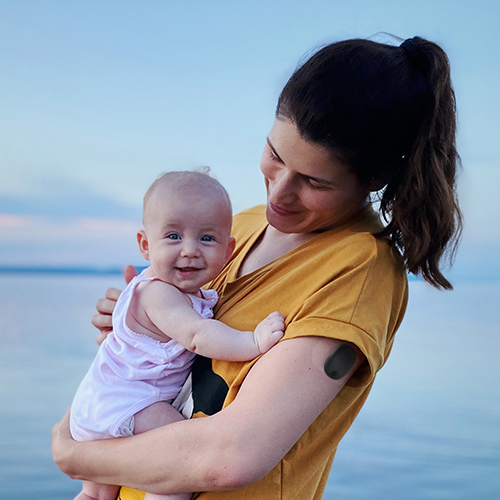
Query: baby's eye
207,238
173,236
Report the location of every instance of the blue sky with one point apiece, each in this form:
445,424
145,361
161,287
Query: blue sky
99,97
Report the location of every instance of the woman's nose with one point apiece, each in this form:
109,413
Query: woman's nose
282,188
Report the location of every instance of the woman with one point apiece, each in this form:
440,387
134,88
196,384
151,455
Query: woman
356,118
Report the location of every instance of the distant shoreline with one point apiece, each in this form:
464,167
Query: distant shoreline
80,270
89,270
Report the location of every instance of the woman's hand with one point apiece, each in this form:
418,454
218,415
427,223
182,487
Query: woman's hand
62,444
105,307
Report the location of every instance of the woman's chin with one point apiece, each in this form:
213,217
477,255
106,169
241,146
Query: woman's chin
284,224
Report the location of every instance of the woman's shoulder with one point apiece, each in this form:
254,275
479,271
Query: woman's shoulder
353,254
357,239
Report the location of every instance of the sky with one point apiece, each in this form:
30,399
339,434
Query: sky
97,98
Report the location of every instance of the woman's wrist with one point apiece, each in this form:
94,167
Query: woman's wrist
63,447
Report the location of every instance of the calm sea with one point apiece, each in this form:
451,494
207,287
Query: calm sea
429,430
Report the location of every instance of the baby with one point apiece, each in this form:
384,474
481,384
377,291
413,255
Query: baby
163,319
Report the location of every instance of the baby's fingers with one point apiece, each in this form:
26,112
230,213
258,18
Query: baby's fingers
277,334
277,321
276,314
277,326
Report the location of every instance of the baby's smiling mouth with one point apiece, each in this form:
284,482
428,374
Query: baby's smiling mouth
186,270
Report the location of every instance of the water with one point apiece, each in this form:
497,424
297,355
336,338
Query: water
46,345
429,430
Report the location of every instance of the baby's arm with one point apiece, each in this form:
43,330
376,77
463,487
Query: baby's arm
168,309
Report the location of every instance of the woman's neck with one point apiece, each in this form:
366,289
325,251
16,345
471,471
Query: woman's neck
271,245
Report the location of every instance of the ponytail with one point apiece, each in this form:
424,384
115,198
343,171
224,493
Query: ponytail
389,114
425,219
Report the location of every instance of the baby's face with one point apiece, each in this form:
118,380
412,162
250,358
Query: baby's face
188,237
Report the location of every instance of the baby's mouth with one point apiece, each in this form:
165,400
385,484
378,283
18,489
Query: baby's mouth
188,270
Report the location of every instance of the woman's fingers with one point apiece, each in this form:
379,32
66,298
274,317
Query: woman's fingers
62,427
105,306
113,294
102,321
104,324
129,273
61,436
100,338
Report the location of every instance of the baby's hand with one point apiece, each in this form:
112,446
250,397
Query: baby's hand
269,331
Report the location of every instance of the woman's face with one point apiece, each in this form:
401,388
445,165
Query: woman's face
308,190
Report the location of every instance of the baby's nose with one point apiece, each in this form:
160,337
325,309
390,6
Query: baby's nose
190,249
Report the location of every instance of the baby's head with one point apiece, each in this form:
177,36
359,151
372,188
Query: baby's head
187,229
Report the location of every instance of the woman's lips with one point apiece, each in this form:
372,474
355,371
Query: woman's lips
282,211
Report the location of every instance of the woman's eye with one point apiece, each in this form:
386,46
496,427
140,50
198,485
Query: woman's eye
273,155
315,184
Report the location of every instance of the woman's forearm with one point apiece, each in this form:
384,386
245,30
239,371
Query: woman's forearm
170,459
282,395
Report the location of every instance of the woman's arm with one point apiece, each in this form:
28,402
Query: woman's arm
281,396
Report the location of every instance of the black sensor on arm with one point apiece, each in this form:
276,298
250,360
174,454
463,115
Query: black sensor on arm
340,361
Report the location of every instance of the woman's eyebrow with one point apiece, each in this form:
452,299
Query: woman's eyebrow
319,180
273,150
316,179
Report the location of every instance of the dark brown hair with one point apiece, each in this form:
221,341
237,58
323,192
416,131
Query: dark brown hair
389,114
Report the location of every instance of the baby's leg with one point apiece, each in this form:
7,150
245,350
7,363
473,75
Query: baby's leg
94,491
158,415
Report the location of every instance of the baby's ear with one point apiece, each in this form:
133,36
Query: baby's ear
142,239
230,248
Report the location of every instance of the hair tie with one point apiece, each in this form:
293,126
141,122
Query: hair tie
412,50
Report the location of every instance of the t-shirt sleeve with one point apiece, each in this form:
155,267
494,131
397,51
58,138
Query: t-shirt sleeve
363,304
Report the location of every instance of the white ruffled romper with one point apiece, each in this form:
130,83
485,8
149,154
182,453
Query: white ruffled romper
130,372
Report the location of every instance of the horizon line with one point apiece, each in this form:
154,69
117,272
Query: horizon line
75,269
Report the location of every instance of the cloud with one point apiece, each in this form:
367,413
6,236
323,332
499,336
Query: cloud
62,222
41,240
13,221
63,198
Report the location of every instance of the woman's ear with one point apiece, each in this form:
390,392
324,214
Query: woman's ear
142,239
377,184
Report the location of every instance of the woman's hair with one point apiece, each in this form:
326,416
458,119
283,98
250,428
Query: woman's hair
389,114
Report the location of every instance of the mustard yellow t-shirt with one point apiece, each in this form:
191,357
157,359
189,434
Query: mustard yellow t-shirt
343,284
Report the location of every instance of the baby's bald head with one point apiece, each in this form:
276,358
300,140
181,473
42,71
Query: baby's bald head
188,183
